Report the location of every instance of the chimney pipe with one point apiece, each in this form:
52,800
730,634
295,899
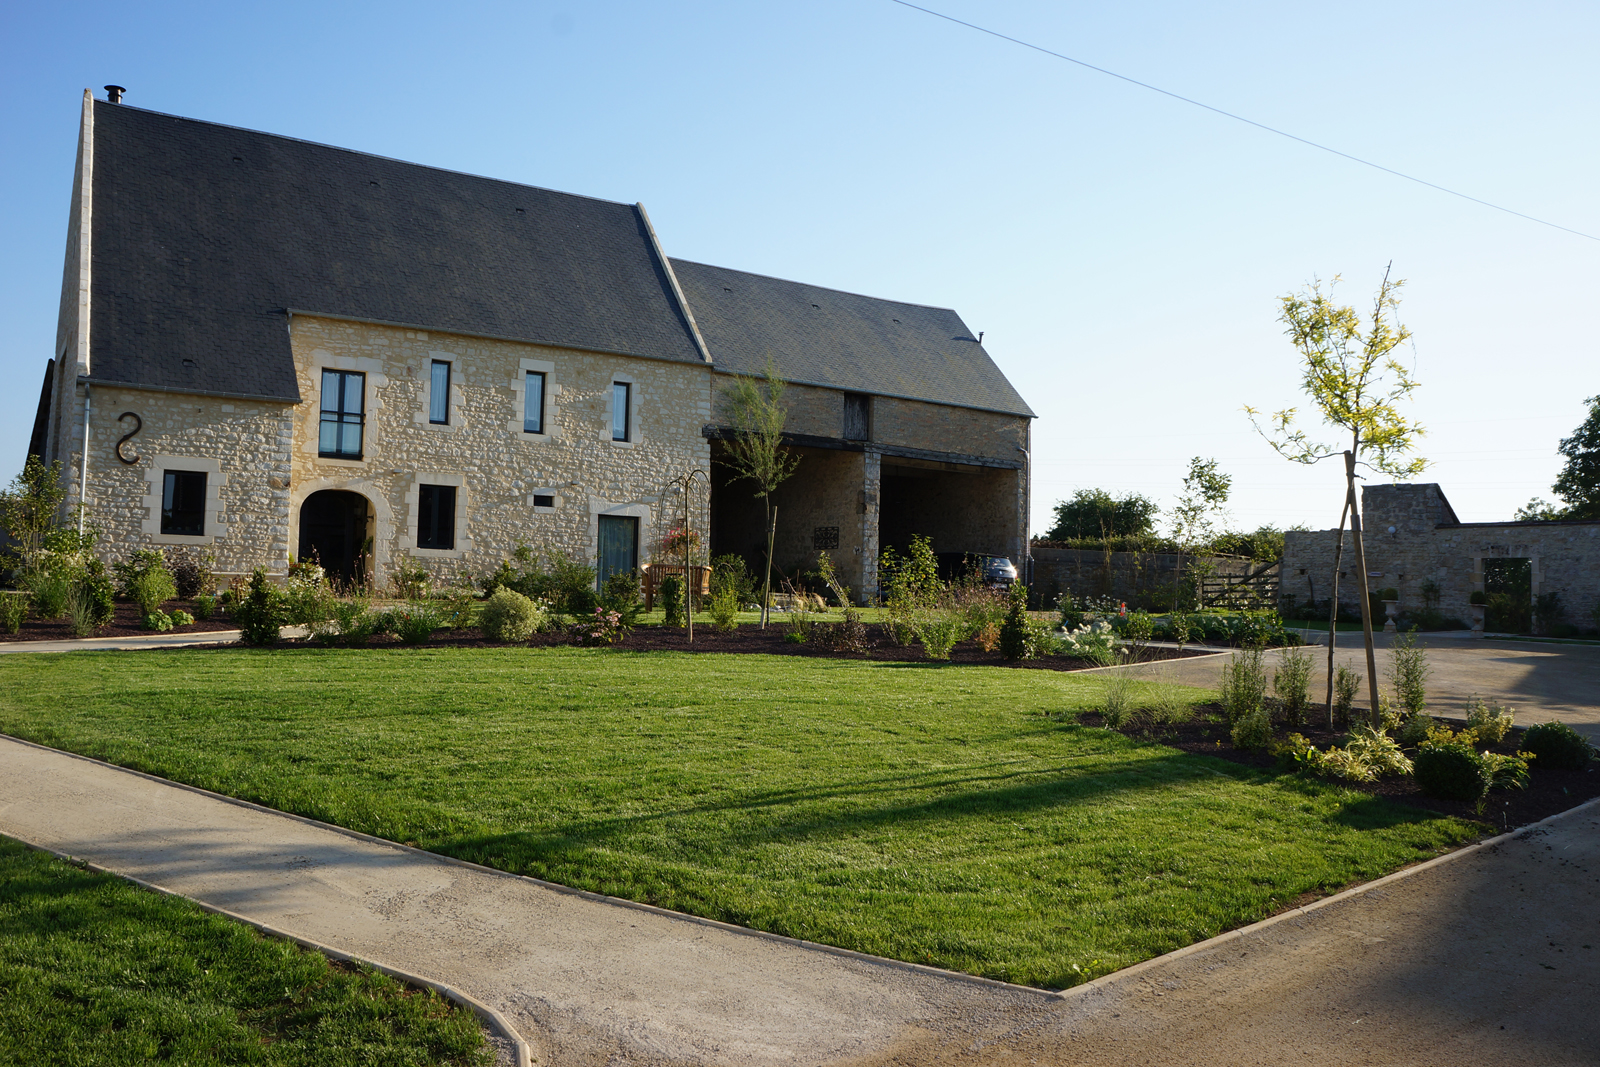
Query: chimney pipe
114,93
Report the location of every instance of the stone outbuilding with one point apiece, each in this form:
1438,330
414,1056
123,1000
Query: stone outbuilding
271,348
1415,544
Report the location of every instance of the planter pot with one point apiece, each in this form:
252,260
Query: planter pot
1391,608
1477,619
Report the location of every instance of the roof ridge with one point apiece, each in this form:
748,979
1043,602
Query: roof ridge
825,288
368,155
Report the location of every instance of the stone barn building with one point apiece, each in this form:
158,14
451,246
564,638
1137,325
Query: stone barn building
1414,540
271,348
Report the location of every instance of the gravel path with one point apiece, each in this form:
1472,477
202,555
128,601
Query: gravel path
1492,957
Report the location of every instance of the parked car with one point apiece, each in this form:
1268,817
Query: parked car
997,572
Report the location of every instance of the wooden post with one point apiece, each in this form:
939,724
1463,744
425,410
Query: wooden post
1333,609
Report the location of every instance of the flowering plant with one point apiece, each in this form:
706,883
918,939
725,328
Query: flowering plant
605,629
675,540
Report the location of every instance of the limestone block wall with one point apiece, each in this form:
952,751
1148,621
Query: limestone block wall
1136,577
483,450
243,447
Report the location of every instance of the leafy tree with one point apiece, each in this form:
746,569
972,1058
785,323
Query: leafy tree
1096,513
1350,373
1539,510
1579,481
1205,494
30,509
754,408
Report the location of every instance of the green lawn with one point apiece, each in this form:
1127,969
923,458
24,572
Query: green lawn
96,971
940,814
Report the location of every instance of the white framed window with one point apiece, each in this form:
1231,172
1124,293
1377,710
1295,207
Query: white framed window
622,411
533,401
183,500
439,393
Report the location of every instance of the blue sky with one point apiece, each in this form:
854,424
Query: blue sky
1122,251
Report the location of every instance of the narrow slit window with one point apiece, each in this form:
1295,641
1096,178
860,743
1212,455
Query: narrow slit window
540,500
621,416
439,394
183,503
533,403
436,516
343,414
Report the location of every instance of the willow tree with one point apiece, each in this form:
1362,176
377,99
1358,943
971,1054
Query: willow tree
1350,373
755,412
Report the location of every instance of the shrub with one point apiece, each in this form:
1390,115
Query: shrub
1092,641
851,634
145,580
1014,631
1478,596
621,595
13,610
1451,771
797,626
190,569
1244,685
410,579
1252,729
48,583
1346,683
158,620
182,618
1505,772
671,596
260,612
606,628
1291,684
1558,745
1377,750
1116,698
1417,729
730,574
1408,672
416,622
1490,722
205,605
938,630
1178,628
306,600
1071,613
724,608
508,616
1137,630
348,622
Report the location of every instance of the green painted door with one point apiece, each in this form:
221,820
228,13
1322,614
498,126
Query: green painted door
619,546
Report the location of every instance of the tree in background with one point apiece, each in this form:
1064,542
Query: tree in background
1579,481
754,408
1349,371
31,509
1194,519
1096,513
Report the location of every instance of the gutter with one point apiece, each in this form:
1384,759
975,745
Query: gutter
83,464
86,380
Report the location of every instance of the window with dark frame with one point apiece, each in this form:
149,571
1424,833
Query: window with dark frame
436,516
183,503
439,394
533,403
824,537
542,501
343,414
621,420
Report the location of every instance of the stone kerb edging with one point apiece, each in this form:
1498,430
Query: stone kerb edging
1096,985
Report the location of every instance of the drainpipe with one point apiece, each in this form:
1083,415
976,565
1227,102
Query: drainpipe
83,464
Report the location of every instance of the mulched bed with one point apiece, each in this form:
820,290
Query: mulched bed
1550,791
128,622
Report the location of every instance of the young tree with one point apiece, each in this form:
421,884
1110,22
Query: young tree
1205,493
1579,481
1350,373
1096,513
754,408
30,509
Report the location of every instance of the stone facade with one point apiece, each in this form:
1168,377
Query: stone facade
1142,579
1411,536
262,459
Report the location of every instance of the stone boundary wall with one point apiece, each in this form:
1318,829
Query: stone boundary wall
1130,576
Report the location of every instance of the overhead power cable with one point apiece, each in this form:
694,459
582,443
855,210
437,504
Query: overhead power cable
1239,118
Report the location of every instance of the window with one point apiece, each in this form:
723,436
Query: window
533,403
542,501
439,394
436,516
343,413
620,395
857,417
183,503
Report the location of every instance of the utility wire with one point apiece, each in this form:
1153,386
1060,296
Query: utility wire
1239,118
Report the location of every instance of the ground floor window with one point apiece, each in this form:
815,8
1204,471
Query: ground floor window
619,546
183,503
436,516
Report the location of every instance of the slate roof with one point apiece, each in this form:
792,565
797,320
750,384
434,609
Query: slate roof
203,235
842,340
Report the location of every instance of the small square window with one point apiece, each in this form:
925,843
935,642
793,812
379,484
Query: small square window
183,503
436,516
542,501
439,394
621,395
533,403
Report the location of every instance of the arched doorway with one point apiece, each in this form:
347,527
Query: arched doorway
333,531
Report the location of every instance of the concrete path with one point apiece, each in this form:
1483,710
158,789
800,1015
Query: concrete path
1492,957
157,640
1541,680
